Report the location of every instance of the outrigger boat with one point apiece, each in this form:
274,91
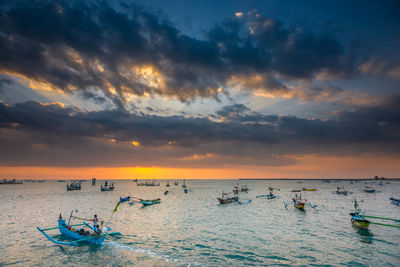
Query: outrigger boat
13,181
341,191
296,190
244,188
74,185
309,189
225,199
107,186
298,202
369,189
184,184
147,183
269,196
80,235
358,218
176,183
273,188
167,185
150,202
395,201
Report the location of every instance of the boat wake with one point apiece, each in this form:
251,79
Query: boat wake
152,254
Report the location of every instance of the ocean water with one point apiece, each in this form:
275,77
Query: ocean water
194,230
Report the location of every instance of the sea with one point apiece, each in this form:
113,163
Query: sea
193,229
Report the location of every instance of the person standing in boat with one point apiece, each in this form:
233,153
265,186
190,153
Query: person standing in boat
95,221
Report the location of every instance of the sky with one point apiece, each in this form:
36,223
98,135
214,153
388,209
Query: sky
199,89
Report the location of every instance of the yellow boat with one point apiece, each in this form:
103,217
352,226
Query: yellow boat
309,189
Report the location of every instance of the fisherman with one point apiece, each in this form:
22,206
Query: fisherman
98,230
95,221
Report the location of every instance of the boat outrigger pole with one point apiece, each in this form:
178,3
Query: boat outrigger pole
383,218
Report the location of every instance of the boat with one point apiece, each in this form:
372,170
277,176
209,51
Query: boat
150,202
273,188
226,198
369,189
93,181
244,201
73,185
80,235
176,183
298,202
148,183
185,190
244,188
167,185
61,181
341,191
166,193
395,201
309,189
13,181
359,220
269,196
184,184
107,186
296,190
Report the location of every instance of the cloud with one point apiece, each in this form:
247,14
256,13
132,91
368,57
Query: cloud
128,50
52,134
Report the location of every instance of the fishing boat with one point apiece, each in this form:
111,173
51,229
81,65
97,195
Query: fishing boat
269,196
107,186
80,235
13,181
244,188
298,202
184,184
185,190
369,189
296,190
93,181
227,198
273,188
148,183
73,185
395,201
167,185
341,191
176,183
166,193
359,220
309,189
150,202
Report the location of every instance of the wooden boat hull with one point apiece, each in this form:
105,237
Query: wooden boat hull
294,190
227,200
150,202
359,221
395,201
299,205
309,189
369,190
75,235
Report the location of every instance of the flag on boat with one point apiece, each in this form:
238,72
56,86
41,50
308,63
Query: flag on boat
117,207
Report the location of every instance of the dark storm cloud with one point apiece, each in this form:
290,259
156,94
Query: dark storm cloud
77,45
30,126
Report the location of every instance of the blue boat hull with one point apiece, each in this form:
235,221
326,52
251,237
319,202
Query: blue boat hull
62,226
